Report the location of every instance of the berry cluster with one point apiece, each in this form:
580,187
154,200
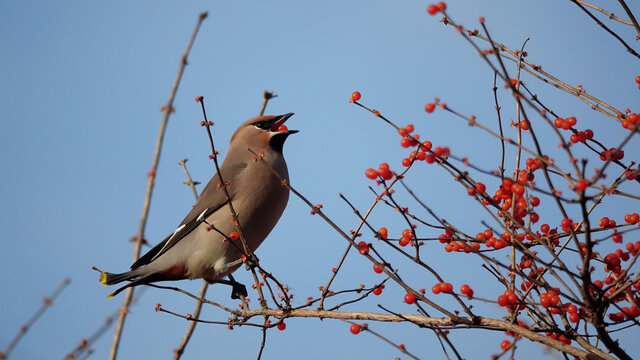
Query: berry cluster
443,287
565,124
509,299
612,154
631,121
383,171
511,200
581,136
436,8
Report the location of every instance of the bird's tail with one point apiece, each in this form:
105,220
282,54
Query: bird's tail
107,278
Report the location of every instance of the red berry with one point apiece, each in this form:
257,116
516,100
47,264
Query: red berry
377,291
574,317
355,96
631,218
534,201
426,145
582,136
371,174
233,236
505,344
545,301
638,79
405,142
355,329
517,189
409,298
588,133
500,243
430,159
559,122
383,232
432,9
604,222
480,188
617,238
465,289
384,171
582,185
430,107
364,248
377,268
404,241
534,217
282,326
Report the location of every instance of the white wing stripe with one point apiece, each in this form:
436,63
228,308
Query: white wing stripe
199,216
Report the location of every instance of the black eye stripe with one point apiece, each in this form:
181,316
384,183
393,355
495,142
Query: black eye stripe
262,125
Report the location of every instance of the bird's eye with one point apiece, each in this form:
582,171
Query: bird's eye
264,125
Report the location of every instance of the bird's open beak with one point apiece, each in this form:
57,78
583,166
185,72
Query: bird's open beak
279,121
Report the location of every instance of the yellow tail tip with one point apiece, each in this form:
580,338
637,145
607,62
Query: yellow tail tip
103,278
110,295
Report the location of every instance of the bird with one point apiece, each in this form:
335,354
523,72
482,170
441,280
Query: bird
202,245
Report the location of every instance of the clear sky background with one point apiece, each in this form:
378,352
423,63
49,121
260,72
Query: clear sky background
80,91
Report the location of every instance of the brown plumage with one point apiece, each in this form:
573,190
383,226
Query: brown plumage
258,198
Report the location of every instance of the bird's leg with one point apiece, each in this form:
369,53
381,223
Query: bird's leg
237,290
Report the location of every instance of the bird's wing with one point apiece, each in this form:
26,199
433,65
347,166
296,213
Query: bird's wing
212,199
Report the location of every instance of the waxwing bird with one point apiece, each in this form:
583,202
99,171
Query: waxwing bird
197,248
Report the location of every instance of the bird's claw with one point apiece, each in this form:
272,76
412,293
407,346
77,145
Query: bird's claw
238,290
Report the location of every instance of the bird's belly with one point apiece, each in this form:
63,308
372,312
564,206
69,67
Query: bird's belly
211,257
209,254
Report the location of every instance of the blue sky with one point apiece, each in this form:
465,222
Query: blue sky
82,84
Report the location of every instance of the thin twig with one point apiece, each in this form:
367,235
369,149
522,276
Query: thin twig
495,99
452,323
606,28
189,182
630,14
609,15
192,326
150,184
383,338
205,285
46,303
268,95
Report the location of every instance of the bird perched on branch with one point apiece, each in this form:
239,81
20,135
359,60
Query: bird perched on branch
205,245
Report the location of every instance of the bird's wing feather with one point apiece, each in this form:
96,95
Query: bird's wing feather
212,199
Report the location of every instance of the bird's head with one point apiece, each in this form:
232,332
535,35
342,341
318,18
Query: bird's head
263,131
